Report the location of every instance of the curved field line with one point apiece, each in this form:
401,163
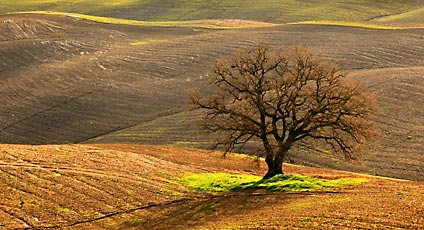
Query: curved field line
16,217
209,24
351,24
46,110
46,181
87,172
112,214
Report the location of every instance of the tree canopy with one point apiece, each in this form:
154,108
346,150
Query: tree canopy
286,98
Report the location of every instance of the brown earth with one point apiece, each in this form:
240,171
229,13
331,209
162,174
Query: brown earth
67,80
133,187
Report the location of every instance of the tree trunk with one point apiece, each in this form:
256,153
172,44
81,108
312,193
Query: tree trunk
275,164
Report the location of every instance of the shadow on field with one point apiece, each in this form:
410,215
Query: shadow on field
199,212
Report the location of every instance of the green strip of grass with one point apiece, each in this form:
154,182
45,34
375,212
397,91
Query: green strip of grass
349,24
207,24
211,24
414,16
108,20
224,182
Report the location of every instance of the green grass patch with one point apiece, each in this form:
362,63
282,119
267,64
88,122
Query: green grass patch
145,42
349,24
414,16
224,182
207,24
109,20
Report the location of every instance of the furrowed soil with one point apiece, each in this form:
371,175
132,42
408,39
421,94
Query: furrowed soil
68,80
117,186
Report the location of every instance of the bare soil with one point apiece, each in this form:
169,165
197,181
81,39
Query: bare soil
133,187
65,80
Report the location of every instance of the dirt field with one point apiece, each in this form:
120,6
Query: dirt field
131,187
67,80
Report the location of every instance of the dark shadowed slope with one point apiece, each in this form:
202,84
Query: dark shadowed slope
86,79
51,82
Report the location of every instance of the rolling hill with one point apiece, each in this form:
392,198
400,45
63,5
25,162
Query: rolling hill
413,16
71,80
268,10
79,93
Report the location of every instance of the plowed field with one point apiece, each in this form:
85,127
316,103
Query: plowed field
68,80
134,187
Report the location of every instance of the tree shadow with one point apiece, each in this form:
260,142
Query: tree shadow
201,211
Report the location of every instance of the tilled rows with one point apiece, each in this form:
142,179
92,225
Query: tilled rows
51,186
135,187
116,85
398,154
87,82
401,95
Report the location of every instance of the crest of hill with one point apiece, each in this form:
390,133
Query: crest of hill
267,10
414,16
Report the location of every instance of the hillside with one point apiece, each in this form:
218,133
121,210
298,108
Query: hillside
136,187
69,80
413,16
267,10
95,131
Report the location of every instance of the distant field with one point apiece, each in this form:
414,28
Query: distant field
220,23
83,6
211,24
351,24
414,16
268,10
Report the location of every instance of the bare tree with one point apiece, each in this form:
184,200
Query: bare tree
285,98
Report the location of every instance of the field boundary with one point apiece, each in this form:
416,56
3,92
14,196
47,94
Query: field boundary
206,24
